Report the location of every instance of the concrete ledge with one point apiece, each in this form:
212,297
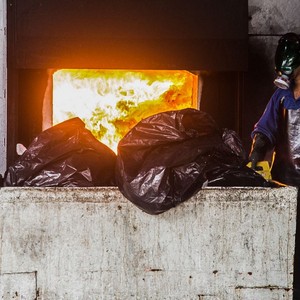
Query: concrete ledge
92,243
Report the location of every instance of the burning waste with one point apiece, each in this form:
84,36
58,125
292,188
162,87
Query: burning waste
166,149
111,102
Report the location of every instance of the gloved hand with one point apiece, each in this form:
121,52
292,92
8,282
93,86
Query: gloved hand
260,145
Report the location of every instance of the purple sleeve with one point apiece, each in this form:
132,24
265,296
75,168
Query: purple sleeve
268,123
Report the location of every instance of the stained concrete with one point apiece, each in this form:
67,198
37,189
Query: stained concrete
92,243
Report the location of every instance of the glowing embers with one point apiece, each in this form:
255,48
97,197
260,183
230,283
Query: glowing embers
111,102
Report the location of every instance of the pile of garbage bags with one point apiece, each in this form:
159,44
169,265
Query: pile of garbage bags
65,155
161,162
168,157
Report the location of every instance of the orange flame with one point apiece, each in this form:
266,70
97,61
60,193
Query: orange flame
111,102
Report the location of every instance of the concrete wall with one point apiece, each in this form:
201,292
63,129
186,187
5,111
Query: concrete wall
92,243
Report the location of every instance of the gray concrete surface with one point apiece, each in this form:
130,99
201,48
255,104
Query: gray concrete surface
92,243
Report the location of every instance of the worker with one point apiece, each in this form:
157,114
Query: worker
278,129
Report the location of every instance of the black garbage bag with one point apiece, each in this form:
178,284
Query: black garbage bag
65,155
168,157
227,165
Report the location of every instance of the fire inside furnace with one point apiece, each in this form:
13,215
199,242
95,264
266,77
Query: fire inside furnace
111,102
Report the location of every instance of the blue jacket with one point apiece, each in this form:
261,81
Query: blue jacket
268,124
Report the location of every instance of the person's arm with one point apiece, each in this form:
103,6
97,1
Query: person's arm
260,146
265,131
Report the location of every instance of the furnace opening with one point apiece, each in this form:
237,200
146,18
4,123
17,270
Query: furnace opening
111,102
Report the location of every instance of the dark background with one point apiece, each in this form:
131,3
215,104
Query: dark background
200,36
232,43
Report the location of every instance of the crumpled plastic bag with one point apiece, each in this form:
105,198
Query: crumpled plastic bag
65,155
168,157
